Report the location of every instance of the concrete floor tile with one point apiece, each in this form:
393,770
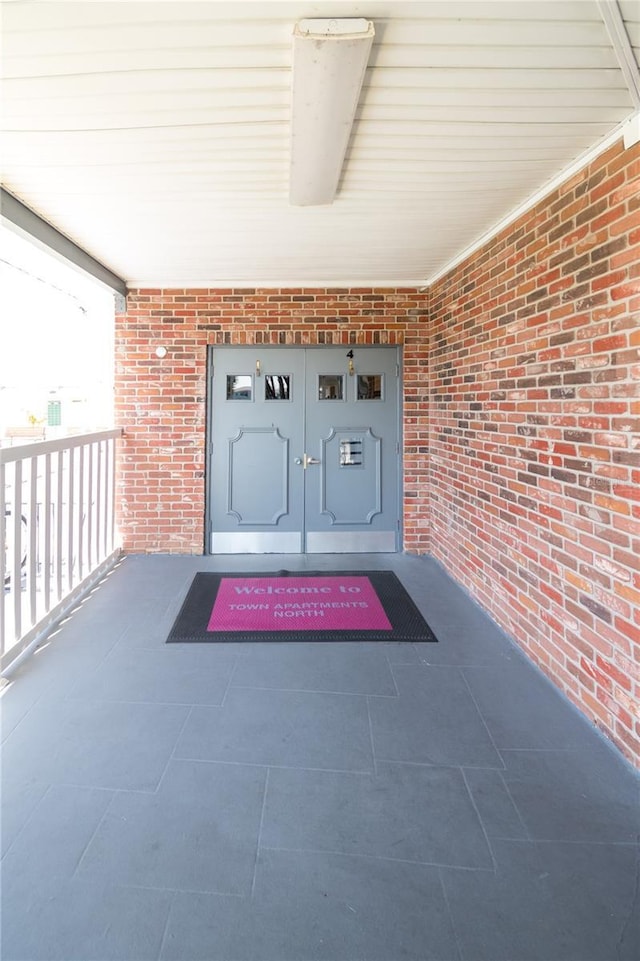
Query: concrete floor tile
54,838
574,795
494,804
522,709
403,812
283,728
201,838
19,798
95,743
76,921
548,902
433,721
190,676
325,668
318,907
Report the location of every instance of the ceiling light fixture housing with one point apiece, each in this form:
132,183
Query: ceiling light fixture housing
329,63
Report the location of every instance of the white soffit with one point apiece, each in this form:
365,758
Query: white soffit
156,135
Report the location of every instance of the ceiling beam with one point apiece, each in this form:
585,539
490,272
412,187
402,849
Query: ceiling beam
38,230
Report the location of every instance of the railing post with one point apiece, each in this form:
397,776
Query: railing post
46,560
3,559
16,561
32,555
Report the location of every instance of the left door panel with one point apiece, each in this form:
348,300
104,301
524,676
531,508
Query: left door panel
256,436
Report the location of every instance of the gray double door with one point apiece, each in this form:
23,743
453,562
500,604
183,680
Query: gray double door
304,451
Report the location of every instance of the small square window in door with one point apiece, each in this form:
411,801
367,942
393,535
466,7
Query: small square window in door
330,387
370,386
239,387
277,387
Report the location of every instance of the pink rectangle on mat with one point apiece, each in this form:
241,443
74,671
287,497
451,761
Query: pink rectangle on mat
331,603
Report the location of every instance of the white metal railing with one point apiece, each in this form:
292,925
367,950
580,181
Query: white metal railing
57,531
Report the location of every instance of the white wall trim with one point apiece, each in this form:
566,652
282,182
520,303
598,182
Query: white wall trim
614,22
631,131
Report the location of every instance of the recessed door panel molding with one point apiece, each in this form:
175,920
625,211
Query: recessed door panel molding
351,475
303,449
270,450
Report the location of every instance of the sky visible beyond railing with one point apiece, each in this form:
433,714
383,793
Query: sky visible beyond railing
56,343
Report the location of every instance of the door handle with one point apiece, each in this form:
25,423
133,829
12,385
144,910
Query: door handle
305,460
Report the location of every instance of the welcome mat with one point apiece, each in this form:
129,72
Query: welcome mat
299,606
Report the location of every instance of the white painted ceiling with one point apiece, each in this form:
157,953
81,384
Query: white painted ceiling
156,134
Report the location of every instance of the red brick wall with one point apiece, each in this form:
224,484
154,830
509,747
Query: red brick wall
161,403
524,387
535,436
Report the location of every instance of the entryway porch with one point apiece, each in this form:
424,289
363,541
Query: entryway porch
305,801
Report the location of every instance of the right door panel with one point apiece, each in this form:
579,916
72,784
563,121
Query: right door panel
352,439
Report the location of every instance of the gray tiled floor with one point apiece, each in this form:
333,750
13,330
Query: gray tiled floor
285,802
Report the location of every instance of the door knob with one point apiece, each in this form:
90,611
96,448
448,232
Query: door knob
312,460
298,460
